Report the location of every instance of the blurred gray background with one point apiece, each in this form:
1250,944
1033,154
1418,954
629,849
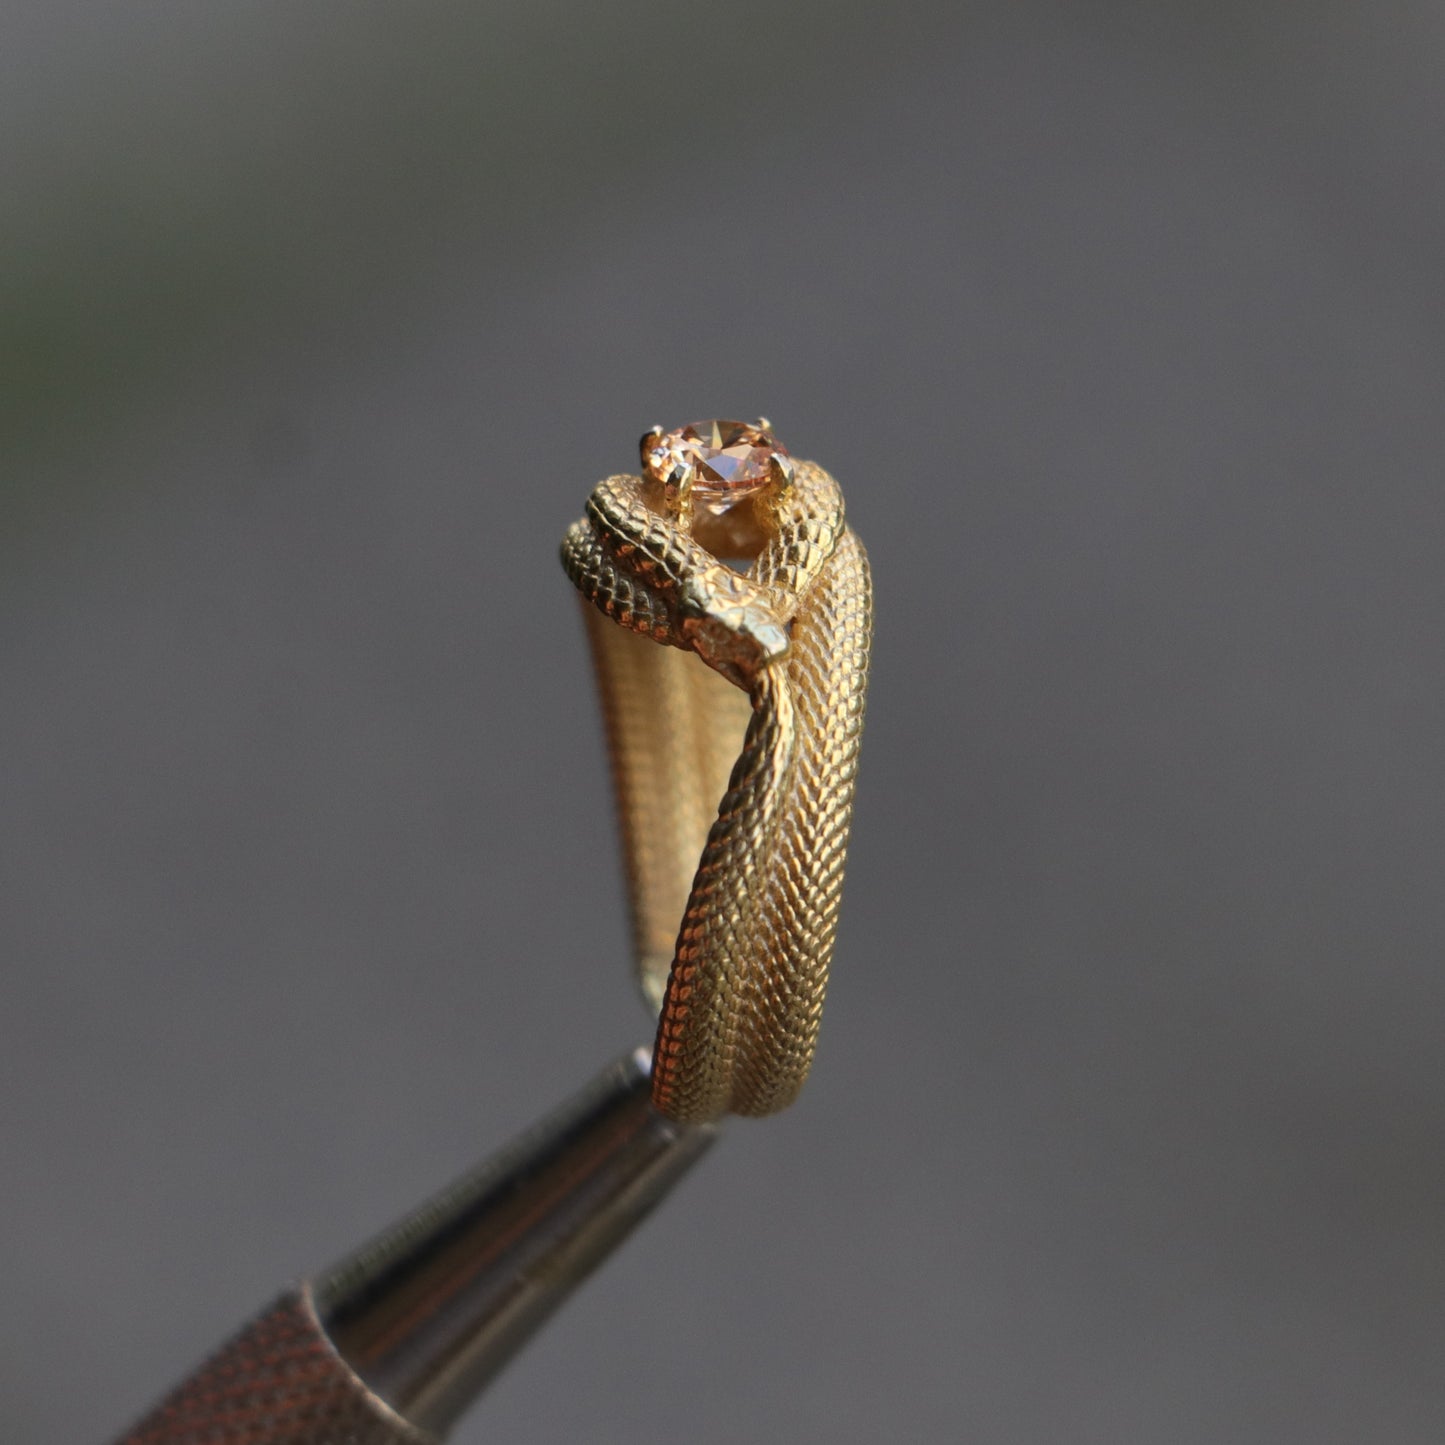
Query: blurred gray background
1121,324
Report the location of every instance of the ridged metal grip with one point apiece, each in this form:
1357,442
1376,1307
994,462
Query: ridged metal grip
278,1382
392,1344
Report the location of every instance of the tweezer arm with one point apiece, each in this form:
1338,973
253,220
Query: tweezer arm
390,1345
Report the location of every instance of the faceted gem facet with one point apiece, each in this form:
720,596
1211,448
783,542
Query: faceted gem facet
728,459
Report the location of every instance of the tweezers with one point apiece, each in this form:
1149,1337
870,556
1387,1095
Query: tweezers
393,1343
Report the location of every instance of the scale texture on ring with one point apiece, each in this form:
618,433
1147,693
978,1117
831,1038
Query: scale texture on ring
734,779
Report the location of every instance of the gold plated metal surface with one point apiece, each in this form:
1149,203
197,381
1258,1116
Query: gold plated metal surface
734,745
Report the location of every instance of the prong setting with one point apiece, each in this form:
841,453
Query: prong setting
677,492
724,461
782,469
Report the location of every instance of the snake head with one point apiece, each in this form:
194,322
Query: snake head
729,622
738,642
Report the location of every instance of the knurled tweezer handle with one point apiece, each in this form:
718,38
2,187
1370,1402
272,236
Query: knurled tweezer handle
392,1344
278,1382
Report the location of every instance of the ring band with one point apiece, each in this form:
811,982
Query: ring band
734,768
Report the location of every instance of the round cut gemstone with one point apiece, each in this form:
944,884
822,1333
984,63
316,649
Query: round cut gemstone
728,460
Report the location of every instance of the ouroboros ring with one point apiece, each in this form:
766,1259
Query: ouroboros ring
734,779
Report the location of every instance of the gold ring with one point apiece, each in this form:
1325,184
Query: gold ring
734,779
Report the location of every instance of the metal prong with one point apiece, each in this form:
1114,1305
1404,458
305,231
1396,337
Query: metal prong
677,493
644,445
782,469
764,424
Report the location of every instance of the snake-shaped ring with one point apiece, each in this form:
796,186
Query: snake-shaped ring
734,780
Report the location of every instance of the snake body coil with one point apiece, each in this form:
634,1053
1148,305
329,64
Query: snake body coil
734,785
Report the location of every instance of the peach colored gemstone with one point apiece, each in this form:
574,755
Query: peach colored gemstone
728,459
